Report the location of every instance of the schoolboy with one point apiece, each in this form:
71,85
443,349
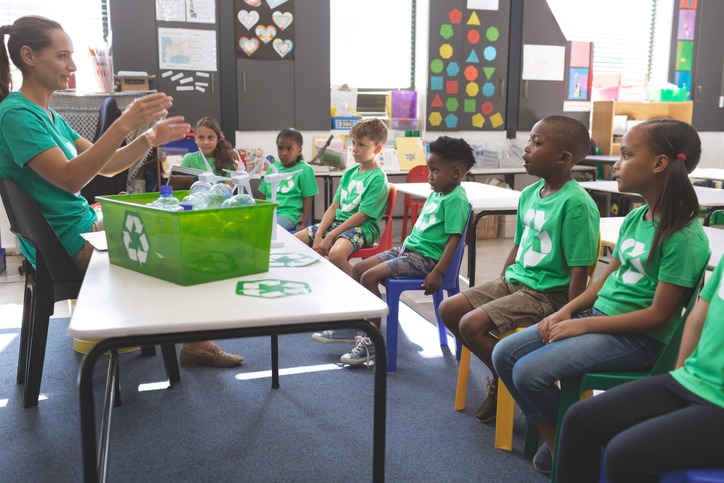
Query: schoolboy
556,239
427,252
350,222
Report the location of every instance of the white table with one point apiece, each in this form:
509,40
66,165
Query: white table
124,308
713,174
611,226
710,198
486,200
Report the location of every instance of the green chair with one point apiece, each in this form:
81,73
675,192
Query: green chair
573,387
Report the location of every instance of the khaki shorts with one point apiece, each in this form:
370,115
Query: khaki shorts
512,305
83,258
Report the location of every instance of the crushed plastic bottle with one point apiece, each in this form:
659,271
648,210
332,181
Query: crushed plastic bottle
166,200
204,183
238,200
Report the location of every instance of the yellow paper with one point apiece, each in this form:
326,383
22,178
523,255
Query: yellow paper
410,152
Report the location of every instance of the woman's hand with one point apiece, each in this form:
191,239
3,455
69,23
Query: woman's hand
167,130
145,110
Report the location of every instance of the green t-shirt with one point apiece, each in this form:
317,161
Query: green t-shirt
441,216
703,371
679,261
26,130
553,234
291,192
197,160
364,192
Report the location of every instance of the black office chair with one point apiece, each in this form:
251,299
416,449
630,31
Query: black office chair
54,278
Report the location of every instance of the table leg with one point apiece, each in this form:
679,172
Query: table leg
275,361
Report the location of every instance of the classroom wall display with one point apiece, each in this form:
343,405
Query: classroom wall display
187,49
199,11
468,60
202,82
683,63
579,71
265,29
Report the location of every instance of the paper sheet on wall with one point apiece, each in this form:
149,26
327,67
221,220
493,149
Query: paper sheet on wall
483,5
410,152
543,62
171,10
201,11
187,49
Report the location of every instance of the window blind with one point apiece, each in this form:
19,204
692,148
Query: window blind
86,21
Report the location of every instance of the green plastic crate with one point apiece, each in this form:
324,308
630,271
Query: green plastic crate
187,247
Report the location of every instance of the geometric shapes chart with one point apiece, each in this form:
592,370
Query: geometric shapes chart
473,58
451,87
473,36
487,108
436,82
492,34
488,71
472,89
455,16
446,51
473,20
478,120
451,121
435,119
446,31
452,69
496,120
488,89
452,104
437,66
489,53
436,101
471,73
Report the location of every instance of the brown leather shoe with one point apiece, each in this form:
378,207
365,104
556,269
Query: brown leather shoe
220,358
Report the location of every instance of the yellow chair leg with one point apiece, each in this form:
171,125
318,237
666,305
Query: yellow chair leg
463,370
504,419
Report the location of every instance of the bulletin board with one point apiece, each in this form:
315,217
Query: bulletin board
265,29
467,65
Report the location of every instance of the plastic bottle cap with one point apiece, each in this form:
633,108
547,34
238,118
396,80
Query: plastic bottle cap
186,206
166,190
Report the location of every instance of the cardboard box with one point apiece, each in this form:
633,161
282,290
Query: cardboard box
134,81
187,247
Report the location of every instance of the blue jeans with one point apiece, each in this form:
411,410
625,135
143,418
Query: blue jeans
286,223
529,368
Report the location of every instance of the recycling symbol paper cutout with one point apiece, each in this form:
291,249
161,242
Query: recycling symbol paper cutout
271,288
134,238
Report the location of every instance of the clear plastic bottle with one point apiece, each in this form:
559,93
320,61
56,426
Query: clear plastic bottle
219,193
204,183
239,200
166,200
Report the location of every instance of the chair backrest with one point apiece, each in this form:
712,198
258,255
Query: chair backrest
386,237
591,270
670,352
108,113
418,174
453,270
29,223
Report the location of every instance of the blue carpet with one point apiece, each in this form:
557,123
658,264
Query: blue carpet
215,427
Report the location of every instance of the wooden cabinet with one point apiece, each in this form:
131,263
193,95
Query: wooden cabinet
603,112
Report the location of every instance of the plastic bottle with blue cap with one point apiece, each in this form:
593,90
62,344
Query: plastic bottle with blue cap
166,200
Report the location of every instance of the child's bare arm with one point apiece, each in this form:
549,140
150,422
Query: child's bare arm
306,211
692,331
579,279
510,260
433,281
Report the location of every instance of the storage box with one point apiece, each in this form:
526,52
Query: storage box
345,122
487,228
134,81
403,124
187,247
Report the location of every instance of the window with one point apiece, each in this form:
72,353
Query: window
372,48
86,21
622,31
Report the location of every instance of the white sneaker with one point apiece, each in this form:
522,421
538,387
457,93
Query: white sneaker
330,336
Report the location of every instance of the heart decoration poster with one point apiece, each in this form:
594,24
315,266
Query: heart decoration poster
265,29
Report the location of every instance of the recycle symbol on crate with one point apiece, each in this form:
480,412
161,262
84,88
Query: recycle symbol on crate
272,288
135,239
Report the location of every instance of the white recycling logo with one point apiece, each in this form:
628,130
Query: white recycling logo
536,219
286,186
355,187
134,238
427,217
634,249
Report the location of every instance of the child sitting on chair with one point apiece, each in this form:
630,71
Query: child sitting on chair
294,195
427,252
350,222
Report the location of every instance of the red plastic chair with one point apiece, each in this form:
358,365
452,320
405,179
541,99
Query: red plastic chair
418,174
385,242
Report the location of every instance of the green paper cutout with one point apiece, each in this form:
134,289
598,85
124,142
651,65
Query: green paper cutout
488,71
437,66
492,34
446,31
452,104
271,288
469,105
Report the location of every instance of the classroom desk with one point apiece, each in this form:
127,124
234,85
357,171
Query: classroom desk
486,200
710,198
611,226
603,160
124,308
710,174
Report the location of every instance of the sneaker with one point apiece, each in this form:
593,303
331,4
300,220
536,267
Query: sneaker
543,460
364,351
489,408
330,336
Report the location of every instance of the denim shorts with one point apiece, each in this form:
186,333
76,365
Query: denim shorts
406,263
512,305
354,234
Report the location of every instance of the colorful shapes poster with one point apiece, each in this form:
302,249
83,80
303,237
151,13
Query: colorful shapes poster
265,29
467,63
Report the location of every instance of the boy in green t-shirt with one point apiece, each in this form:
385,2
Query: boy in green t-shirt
427,252
350,222
556,239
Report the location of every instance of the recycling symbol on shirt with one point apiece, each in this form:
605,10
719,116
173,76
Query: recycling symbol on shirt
633,249
285,186
271,288
536,220
427,217
351,199
134,238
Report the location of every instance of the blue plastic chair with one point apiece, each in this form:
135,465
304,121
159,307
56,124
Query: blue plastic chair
694,476
395,287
